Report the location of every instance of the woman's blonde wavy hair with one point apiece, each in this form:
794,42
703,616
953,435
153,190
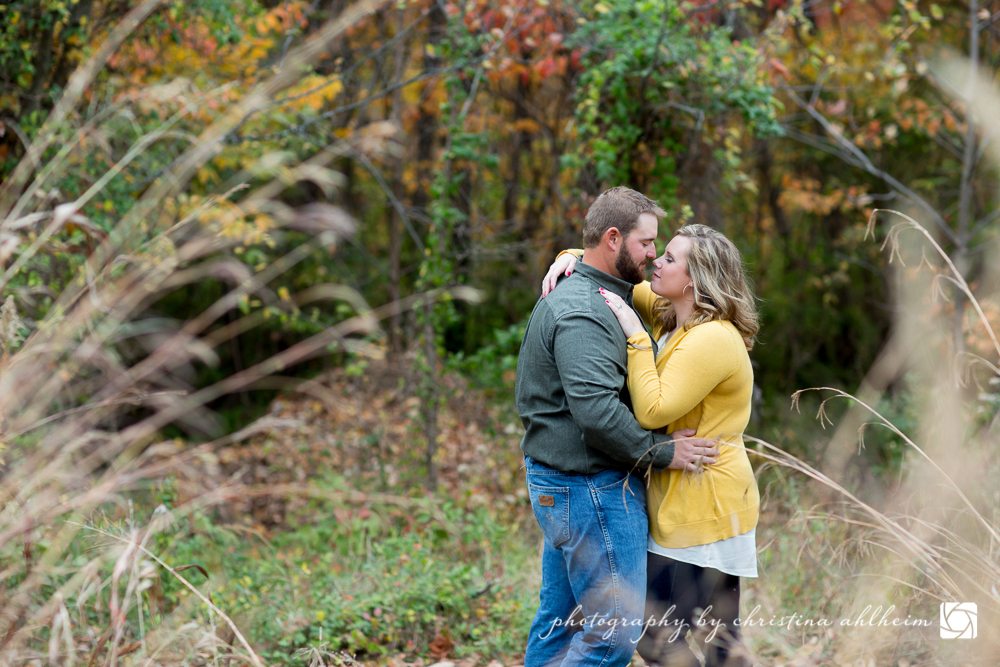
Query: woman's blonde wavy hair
722,290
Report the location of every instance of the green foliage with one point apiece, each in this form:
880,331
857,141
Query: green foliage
818,325
492,365
885,451
24,26
366,582
649,76
221,16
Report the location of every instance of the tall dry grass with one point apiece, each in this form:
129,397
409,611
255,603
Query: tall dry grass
72,590
930,535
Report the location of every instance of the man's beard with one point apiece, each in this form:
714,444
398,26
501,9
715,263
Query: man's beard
627,268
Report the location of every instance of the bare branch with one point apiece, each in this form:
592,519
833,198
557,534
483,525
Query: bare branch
985,221
862,160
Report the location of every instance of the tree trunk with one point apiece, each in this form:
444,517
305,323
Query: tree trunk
42,65
427,125
521,140
965,212
395,233
700,174
65,65
430,397
770,192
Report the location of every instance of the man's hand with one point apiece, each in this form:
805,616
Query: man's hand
563,265
692,454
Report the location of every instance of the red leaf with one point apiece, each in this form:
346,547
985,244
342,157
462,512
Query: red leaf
777,67
547,67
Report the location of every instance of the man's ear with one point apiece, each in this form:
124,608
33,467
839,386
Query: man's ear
611,239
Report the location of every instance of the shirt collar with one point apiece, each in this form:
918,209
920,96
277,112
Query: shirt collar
606,280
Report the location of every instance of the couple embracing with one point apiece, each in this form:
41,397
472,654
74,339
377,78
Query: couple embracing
633,442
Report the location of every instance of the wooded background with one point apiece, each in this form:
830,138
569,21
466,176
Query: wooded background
471,138
209,206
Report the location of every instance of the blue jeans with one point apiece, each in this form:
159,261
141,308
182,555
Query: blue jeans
593,567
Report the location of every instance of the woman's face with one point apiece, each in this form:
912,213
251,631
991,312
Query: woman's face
670,275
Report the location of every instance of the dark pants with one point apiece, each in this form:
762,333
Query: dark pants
680,597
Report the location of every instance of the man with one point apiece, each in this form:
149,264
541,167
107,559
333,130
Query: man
581,443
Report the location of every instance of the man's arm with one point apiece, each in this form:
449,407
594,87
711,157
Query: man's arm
592,375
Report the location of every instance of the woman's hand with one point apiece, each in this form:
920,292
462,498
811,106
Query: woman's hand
631,324
564,264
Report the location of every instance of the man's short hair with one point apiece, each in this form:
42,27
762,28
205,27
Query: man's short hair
619,207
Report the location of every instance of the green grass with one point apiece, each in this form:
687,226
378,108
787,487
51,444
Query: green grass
370,583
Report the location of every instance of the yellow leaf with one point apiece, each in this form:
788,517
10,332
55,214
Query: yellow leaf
526,125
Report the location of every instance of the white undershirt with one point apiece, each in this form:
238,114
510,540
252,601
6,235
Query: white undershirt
736,556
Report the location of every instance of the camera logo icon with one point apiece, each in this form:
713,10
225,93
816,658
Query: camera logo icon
959,620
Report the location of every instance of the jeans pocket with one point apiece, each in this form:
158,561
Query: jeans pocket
627,493
551,507
609,479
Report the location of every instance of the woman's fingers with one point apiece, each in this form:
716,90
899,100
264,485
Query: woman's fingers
627,318
563,265
551,278
615,304
549,282
613,299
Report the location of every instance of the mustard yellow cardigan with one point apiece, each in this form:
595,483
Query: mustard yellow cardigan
702,379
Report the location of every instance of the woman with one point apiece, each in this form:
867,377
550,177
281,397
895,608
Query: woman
702,528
